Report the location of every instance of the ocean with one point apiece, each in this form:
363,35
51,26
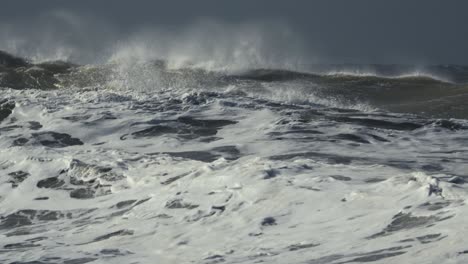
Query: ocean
134,161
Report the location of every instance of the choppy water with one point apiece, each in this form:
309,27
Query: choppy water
140,163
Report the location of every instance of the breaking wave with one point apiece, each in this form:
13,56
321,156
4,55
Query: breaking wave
386,87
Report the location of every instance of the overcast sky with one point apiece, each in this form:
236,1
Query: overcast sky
338,31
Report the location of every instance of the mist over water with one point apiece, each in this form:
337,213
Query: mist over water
210,44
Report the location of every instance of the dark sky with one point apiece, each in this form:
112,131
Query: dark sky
339,31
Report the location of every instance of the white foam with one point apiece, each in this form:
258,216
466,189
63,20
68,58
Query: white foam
311,206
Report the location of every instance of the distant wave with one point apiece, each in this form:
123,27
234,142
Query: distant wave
328,74
282,75
411,91
408,75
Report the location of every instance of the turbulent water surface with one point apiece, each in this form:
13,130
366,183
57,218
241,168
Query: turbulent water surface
142,163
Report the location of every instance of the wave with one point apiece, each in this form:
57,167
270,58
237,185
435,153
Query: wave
285,75
410,75
416,92
18,73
